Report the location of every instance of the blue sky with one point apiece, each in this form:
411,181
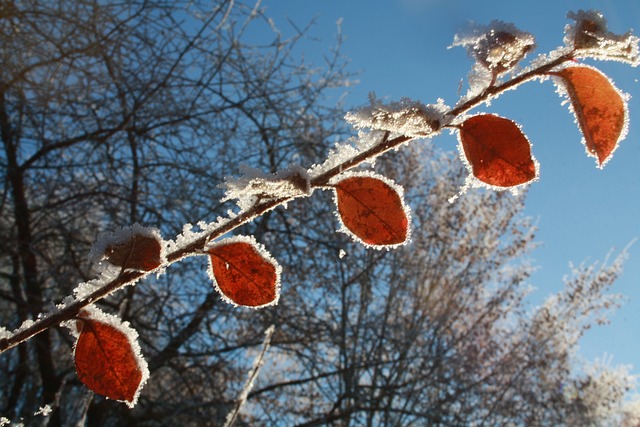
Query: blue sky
583,213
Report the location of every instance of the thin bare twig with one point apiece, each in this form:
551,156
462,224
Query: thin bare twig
253,374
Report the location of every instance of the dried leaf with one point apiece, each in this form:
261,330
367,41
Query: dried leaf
140,252
590,37
106,361
599,108
372,210
244,273
497,151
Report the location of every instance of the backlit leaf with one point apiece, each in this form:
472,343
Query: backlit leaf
372,210
599,108
497,151
140,252
244,273
107,362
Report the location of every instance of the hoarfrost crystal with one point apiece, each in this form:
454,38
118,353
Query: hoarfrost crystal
406,117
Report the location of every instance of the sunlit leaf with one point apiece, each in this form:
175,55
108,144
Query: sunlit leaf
244,273
106,361
372,210
599,108
497,151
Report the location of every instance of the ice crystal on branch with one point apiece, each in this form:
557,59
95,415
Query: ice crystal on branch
498,46
589,36
407,117
255,186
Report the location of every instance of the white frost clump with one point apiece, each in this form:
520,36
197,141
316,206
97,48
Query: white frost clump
498,46
4,333
589,36
24,326
191,233
106,274
44,411
255,186
343,152
406,117
377,121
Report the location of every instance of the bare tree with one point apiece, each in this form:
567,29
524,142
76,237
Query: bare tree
117,113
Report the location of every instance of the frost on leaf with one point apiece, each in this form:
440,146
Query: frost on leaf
134,248
406,117
244,273
590,37
371,208
255,186
600,109
107,357
498,46
497,151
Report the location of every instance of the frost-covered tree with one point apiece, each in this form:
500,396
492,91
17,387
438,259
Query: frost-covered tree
117,114
437,332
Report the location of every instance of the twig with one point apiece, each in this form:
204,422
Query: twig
197,246
253,374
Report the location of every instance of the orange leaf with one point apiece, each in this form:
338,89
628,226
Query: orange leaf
106,361
599,107
140,252
497,151
372,210
243,274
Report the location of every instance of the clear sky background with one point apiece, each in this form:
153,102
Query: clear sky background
583,213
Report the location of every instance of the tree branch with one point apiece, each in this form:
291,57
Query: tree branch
197,246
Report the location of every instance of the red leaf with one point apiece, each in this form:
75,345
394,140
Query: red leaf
497,151
106,361
372,210
243,274
140,252
599,108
